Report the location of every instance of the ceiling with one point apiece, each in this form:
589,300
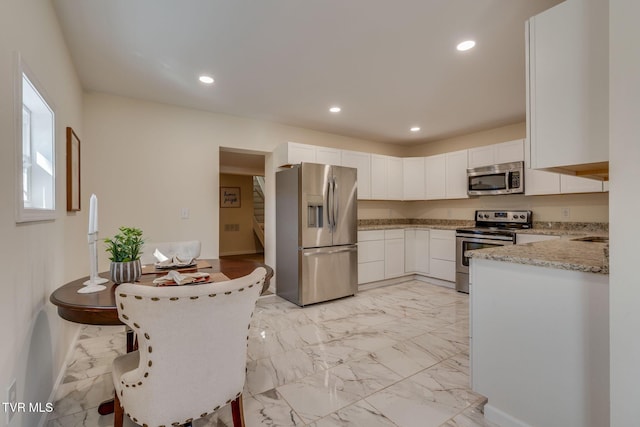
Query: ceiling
389,64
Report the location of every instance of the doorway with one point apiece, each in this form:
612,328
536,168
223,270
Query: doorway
241,212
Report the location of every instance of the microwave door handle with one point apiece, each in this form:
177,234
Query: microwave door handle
507,181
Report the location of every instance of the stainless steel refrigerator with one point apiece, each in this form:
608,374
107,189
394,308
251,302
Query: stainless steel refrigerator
316,233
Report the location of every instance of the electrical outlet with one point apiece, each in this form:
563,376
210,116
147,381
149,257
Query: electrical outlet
565,213
184,213
12,399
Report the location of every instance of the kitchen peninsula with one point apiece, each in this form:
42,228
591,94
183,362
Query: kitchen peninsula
540,332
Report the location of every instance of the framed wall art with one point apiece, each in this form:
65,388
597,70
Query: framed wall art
73,171
229,197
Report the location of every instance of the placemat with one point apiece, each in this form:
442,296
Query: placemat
151,268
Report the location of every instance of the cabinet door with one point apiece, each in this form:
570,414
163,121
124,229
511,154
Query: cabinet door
435,177
362,162
510,151
395,178
456,175
421,248
541,182
298,153
393,258
328,156
482,156
413,171
409,251
443,244
568,84
379,177
574,184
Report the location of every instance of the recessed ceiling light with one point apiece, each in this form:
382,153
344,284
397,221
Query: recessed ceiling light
206,79
466,45
415,129
335,109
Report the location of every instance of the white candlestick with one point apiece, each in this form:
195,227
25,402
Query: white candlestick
93,214
94,284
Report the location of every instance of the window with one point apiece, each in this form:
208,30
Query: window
36,150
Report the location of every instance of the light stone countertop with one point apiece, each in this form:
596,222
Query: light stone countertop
564,254
408,226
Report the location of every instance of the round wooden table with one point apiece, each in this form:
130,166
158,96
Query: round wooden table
99,308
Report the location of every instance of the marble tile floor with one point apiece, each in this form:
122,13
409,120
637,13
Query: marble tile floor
390,356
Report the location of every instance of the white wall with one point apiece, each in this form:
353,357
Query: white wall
146,160
624,157
36,258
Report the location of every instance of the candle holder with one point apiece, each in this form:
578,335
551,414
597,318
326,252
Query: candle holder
95,282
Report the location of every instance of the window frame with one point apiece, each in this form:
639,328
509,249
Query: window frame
23,212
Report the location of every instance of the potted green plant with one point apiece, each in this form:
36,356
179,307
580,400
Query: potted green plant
124,251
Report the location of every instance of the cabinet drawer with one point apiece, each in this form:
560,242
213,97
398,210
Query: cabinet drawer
369,251
363,236
441,269
394,234
370,272
442,246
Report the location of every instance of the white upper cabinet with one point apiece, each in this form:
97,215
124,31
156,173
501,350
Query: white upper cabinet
395,181
567,91
362,162
293,153
435,177
386,177
328,156
413,172
575,184
505,152
456,174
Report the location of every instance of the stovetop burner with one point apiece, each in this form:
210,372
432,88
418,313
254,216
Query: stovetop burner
498,223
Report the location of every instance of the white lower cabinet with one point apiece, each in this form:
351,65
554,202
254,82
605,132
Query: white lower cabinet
442,251
388,254
370,256
393,253
416,251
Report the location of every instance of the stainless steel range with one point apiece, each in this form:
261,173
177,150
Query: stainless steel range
493,228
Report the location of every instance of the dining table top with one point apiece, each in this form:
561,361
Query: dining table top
99,308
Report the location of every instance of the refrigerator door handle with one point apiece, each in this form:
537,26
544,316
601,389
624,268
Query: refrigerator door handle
329,205
334,251
335,204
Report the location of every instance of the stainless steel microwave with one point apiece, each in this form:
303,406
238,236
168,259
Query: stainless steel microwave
505,178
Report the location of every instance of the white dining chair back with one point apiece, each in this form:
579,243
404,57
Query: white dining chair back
183,249
192,348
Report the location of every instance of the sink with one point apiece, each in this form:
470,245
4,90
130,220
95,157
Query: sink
594,239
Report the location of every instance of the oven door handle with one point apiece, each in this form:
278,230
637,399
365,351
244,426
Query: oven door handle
505,241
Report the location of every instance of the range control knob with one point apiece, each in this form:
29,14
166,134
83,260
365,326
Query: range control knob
522,216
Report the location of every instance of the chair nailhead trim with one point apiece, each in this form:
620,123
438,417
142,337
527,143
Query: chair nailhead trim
241,289
138,297
146,335
174,299
155,299
212,295
204,414
146,374
136,325
189,420
216,408
121,306
124,296
195,297
228,293
125,317
150,349
145,425
139,382
150,363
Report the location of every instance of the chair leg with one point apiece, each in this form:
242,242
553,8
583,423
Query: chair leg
237,412
118,412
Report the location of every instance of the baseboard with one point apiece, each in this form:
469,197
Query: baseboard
63,371
501,418
407,278
240,253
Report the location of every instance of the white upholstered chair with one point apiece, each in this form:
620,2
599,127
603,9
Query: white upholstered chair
183,249
192,350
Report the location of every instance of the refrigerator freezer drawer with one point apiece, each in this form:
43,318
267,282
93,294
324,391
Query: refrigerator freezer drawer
327,273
